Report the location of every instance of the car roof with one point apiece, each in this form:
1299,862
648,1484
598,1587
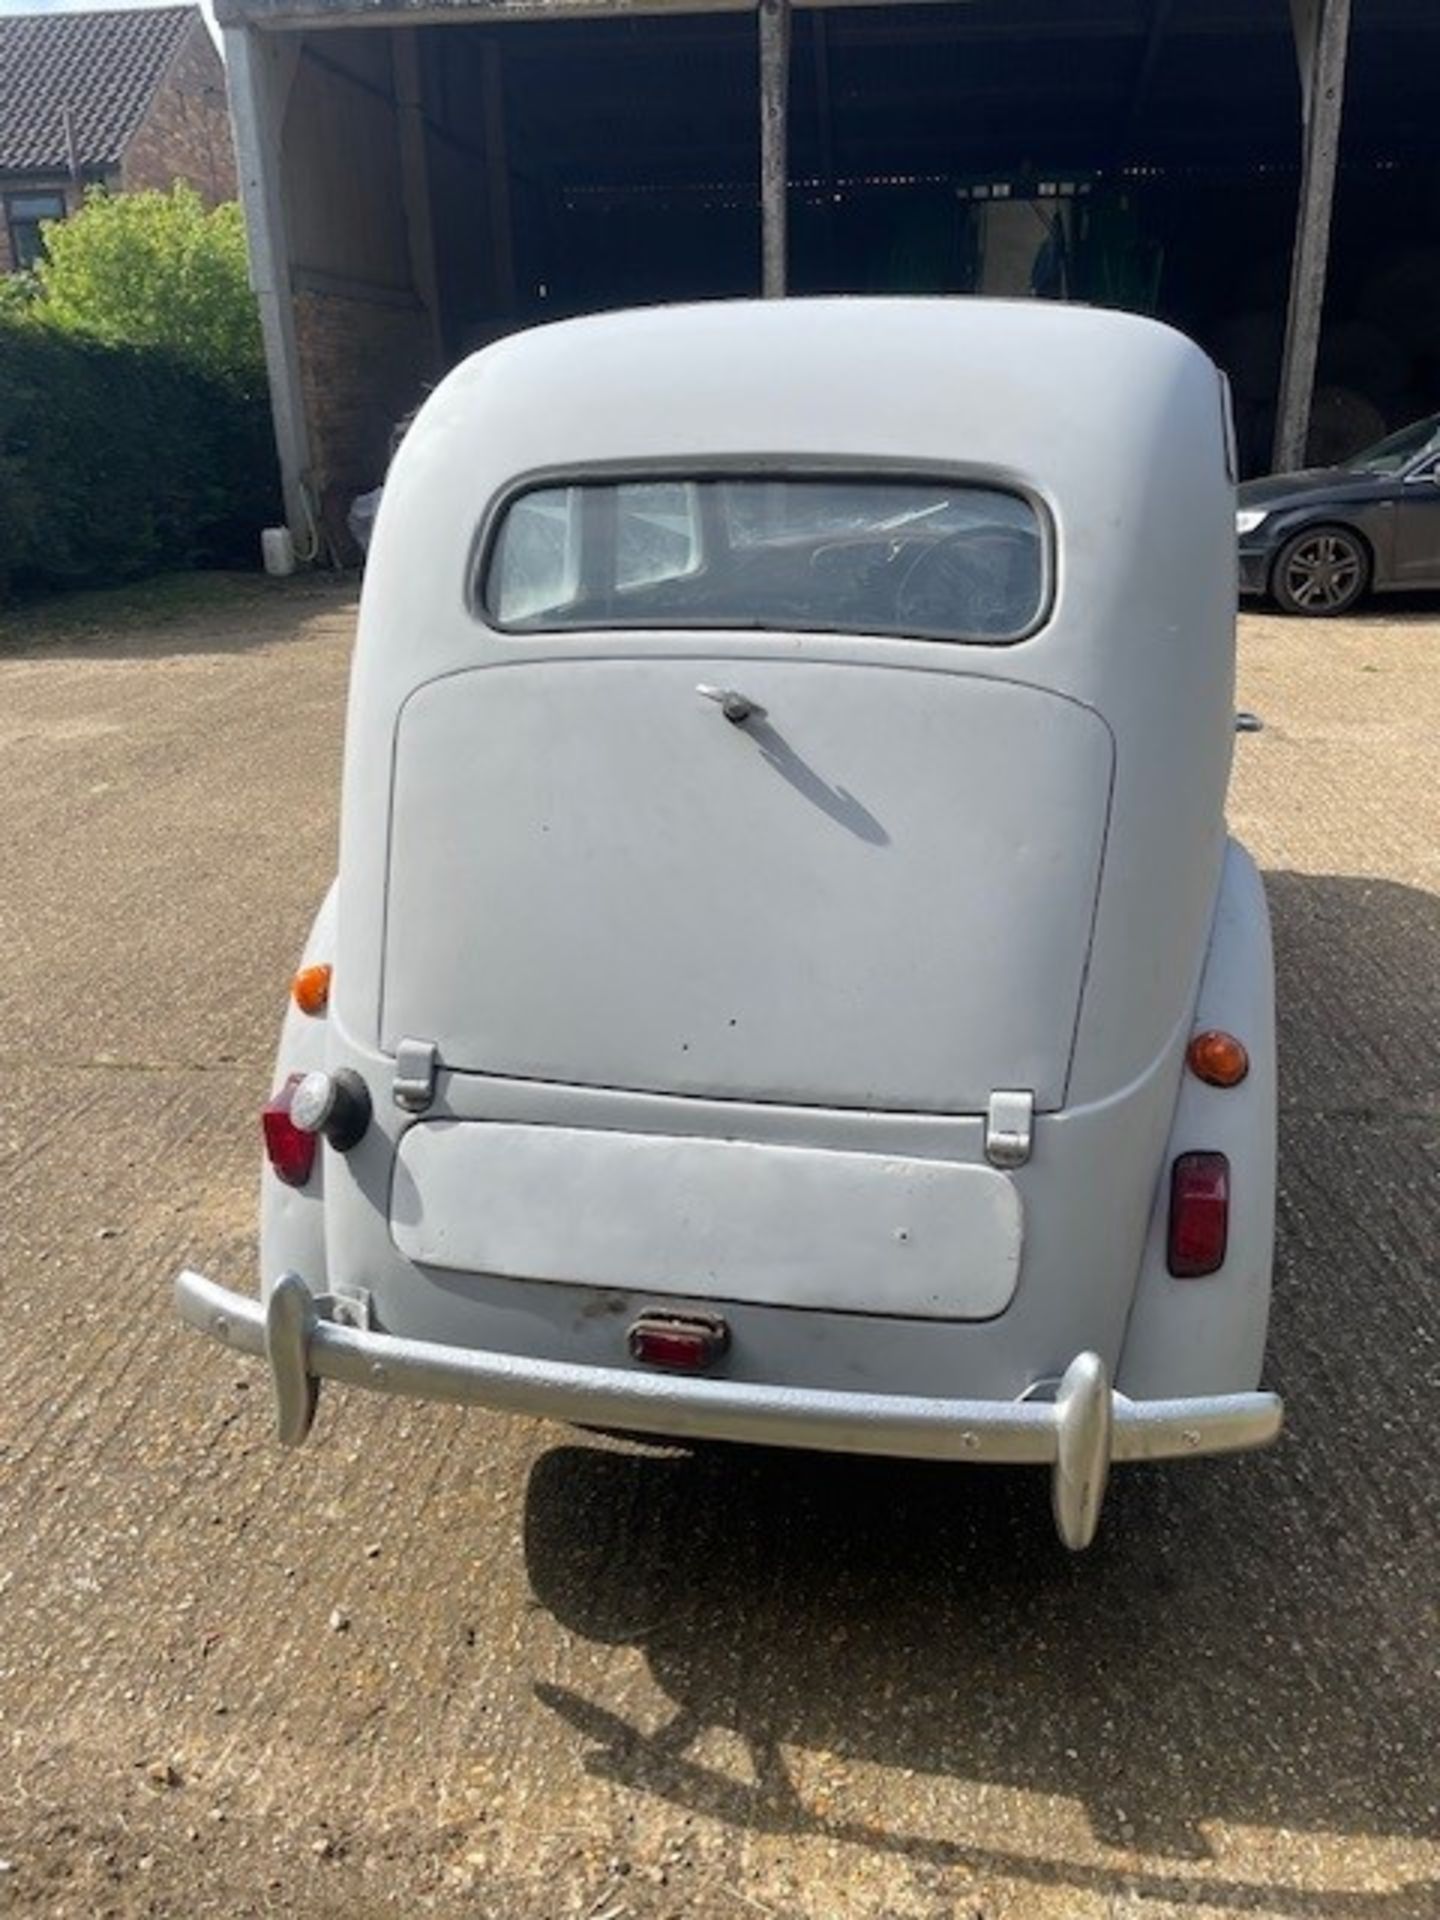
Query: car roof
1112,424
1004,385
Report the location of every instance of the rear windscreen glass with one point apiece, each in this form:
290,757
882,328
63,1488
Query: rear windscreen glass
928,559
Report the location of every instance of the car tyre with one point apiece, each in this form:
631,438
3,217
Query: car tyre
1320,573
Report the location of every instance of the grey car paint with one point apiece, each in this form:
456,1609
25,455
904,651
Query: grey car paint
693,983
994,871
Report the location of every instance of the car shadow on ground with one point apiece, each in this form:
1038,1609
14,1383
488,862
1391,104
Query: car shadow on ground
1381,609
1249,1642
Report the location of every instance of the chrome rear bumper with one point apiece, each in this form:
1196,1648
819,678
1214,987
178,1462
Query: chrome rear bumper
1077,1434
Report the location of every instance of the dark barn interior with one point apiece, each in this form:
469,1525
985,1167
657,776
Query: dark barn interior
1138,153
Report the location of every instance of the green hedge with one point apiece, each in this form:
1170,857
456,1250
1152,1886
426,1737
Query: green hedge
121,461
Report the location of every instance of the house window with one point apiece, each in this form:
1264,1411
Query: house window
24,213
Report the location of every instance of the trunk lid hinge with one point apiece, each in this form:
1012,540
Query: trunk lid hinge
1009,1128
414,1084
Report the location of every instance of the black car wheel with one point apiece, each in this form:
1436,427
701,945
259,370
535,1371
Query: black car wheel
1322,571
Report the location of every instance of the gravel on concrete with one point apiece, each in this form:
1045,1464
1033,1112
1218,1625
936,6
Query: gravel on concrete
578,1680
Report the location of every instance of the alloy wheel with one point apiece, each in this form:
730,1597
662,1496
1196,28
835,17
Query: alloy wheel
1323,573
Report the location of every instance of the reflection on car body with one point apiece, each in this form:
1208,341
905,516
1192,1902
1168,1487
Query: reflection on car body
816,555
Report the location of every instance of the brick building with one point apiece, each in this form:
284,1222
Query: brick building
124,99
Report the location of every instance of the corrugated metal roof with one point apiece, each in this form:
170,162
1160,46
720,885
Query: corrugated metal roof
101,67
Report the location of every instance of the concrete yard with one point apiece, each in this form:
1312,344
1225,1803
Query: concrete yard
452,1663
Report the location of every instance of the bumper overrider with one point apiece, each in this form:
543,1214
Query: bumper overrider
1077,1433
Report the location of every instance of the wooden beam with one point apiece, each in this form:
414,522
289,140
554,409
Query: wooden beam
1322,30
820,29
774,143
415,184
1149,59
825,112
1117,23
337,69
497,180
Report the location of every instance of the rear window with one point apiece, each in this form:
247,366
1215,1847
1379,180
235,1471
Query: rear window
926,559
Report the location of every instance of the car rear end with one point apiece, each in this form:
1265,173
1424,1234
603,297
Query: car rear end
772,912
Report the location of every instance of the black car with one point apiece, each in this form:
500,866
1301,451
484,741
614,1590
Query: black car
1317,541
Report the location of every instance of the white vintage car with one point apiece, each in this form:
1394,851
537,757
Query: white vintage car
788,978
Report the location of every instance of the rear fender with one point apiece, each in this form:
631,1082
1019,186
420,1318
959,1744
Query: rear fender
292,1219
1208,1336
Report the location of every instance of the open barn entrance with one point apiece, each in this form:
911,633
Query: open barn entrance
444,181
929,151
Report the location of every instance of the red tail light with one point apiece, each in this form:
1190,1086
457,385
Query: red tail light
1199,1214
682,1344
290,1152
